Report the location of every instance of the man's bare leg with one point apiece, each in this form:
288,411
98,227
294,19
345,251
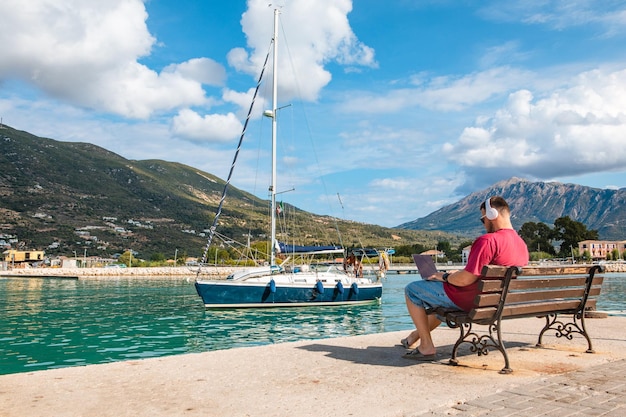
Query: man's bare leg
424,324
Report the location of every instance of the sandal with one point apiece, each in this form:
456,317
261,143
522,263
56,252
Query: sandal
416,355
405,343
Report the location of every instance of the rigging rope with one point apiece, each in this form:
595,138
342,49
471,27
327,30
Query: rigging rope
213,227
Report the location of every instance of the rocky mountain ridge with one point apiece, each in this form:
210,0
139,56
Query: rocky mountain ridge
598,209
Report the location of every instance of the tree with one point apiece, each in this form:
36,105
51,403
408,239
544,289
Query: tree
157,257
570,232
538,237
458,256
408,250
127,258
445,247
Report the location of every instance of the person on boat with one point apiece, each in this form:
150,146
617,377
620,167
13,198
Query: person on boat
353,264
348,263
501,245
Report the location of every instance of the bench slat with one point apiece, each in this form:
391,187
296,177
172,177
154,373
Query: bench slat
546,308
554,282
486,300
495,285
555,270
499,271
532,309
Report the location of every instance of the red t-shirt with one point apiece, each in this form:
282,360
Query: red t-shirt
503,247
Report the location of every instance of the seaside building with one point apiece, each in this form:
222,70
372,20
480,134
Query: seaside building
434,253
599,249
465,254
13,256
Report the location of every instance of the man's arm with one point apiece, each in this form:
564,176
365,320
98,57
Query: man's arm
460,278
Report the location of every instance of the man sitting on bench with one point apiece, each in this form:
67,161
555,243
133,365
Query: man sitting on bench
501,245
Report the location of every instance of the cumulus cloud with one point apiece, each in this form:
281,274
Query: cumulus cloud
203,70
87,52
243,101
209,128
571,131
320,33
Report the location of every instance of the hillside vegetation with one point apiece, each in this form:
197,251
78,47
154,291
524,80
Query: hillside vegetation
65,197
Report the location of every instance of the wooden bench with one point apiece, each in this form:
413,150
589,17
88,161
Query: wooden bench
556,293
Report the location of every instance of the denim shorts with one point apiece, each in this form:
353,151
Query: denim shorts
428,295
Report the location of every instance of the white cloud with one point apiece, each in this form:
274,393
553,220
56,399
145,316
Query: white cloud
86,53
243,101
202,70
609,14
503,54
209,128
320,33
572,131
444,93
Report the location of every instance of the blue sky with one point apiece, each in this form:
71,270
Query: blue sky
394,109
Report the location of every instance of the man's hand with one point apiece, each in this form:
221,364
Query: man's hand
436,277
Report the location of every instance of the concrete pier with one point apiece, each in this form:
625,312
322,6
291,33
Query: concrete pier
353,376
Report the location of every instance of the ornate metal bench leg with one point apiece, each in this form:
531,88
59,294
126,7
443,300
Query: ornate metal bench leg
500,346
583,331
464,330
545,327
566,329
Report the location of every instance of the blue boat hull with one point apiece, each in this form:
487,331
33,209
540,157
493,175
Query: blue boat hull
224,294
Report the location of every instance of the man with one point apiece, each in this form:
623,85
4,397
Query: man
501,245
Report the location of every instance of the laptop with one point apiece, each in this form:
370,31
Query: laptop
425,265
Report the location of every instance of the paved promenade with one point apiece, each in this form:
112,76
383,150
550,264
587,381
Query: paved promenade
599,390
361,376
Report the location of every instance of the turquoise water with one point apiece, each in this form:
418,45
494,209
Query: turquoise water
55,323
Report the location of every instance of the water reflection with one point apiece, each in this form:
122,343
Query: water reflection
223,329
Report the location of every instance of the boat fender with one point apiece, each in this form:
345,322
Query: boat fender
319,287
340,287
355,288
273,286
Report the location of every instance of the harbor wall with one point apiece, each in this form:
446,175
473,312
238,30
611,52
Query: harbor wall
211,272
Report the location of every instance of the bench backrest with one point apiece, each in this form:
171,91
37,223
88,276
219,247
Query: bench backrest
536,290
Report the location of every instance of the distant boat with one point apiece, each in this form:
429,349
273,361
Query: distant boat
290,283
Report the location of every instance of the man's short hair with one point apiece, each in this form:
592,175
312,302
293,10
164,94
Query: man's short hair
497,203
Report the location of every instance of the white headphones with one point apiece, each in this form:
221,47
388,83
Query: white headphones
490,212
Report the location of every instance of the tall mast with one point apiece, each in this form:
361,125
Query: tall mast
273,241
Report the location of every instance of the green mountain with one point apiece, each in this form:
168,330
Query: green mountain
598,209
63,197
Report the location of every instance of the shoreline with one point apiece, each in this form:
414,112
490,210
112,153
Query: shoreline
220,272
209,272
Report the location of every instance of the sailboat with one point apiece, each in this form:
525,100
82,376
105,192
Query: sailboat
289,284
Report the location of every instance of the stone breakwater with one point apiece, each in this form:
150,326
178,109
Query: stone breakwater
220,272
154,272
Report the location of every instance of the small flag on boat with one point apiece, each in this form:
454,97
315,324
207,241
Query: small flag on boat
279,208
